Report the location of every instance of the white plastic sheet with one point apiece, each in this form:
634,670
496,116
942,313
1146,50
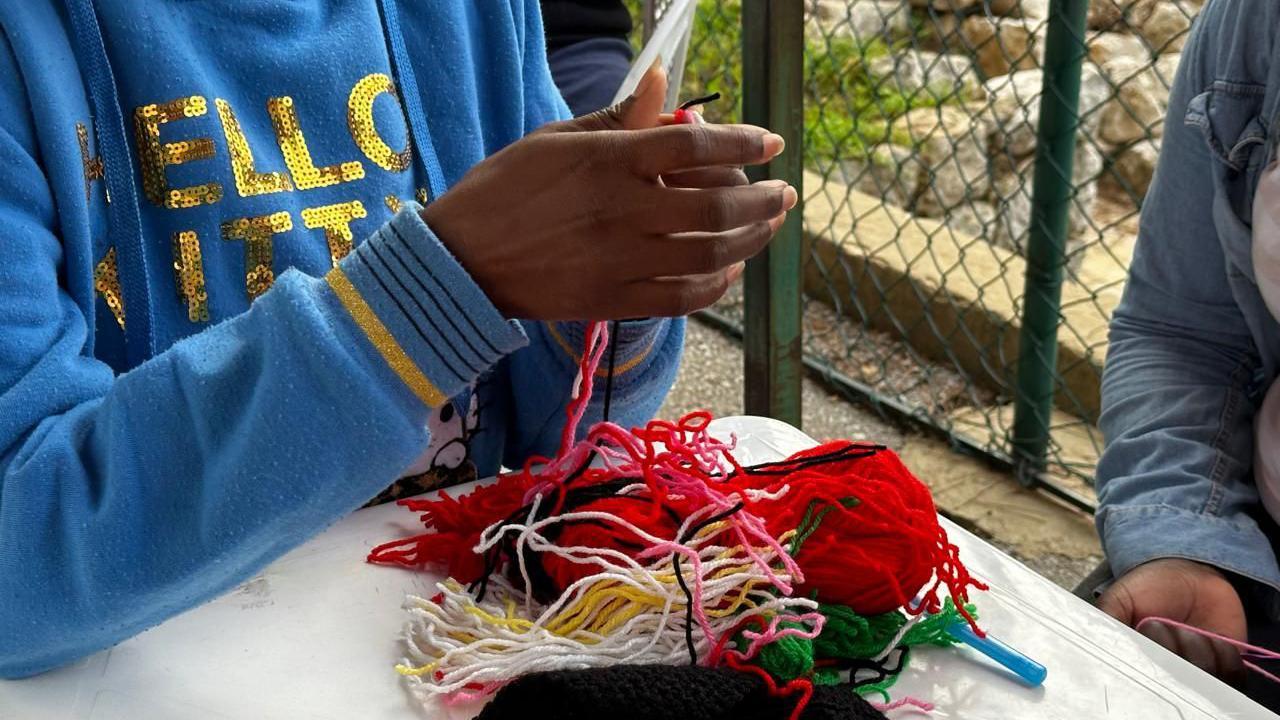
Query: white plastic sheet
315,636
668,46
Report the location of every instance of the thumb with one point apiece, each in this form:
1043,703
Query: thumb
1117,602
640,111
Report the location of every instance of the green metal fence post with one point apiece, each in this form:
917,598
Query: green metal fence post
773,97
1052,195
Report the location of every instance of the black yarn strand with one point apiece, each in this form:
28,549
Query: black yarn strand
684,587
700,101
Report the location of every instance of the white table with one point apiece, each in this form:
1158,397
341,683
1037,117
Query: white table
315,636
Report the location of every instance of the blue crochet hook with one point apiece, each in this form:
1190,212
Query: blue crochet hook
1031,672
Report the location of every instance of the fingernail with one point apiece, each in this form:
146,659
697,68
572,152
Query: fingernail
648,78
789,198
774,145
735,272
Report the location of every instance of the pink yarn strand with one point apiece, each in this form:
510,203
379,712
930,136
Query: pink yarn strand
597,340
906,703
1247,651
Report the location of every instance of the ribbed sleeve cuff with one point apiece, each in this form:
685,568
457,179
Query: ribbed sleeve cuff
418,307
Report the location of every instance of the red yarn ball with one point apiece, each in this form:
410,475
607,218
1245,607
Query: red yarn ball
877,541
607,534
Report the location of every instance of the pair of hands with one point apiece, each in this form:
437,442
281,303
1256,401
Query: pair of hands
1191,593
622,213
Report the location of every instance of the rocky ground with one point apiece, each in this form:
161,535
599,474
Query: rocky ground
969,159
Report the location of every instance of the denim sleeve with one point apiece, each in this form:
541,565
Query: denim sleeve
1175,479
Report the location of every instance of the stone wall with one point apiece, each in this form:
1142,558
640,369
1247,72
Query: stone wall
967,159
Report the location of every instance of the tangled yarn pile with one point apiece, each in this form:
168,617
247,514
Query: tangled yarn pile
653,546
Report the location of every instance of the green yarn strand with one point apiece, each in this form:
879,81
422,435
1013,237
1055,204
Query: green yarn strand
787,658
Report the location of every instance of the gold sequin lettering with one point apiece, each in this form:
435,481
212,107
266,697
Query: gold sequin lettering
365,133
156,156
393,203
249,181
106,280
336,221
257,234
188,275
93,167
296,155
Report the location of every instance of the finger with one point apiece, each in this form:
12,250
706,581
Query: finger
1197,649
735,272
706,178
702,253
1162,634
721,209
1118,603
680,296
1193,648
674,148
683,116
641,110
643,107
1230,663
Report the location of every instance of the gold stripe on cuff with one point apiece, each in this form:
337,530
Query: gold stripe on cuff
383,340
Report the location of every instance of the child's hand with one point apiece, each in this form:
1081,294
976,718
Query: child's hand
1190,593
642,111
575,222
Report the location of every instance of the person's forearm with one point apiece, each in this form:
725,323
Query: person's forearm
126,500
1173,481
1177,392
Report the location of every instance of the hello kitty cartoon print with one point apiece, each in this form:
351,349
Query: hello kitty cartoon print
447,459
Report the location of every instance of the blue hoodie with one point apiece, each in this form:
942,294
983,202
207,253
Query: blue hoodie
223,324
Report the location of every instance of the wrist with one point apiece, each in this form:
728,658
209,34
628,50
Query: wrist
1196,568
461,242
421,310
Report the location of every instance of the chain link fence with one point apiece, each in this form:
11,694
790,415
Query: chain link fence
921,121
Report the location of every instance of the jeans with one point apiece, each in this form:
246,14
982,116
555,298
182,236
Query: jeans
588,73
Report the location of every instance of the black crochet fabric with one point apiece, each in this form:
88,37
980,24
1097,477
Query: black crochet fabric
663,692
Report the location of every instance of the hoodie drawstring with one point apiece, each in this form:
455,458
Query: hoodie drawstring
124,227
403,70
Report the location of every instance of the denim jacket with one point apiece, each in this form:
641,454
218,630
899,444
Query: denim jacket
1193,347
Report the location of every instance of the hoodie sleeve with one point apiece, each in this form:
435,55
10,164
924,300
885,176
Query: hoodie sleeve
542,100
646,360
1179,388
541,376
125,499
